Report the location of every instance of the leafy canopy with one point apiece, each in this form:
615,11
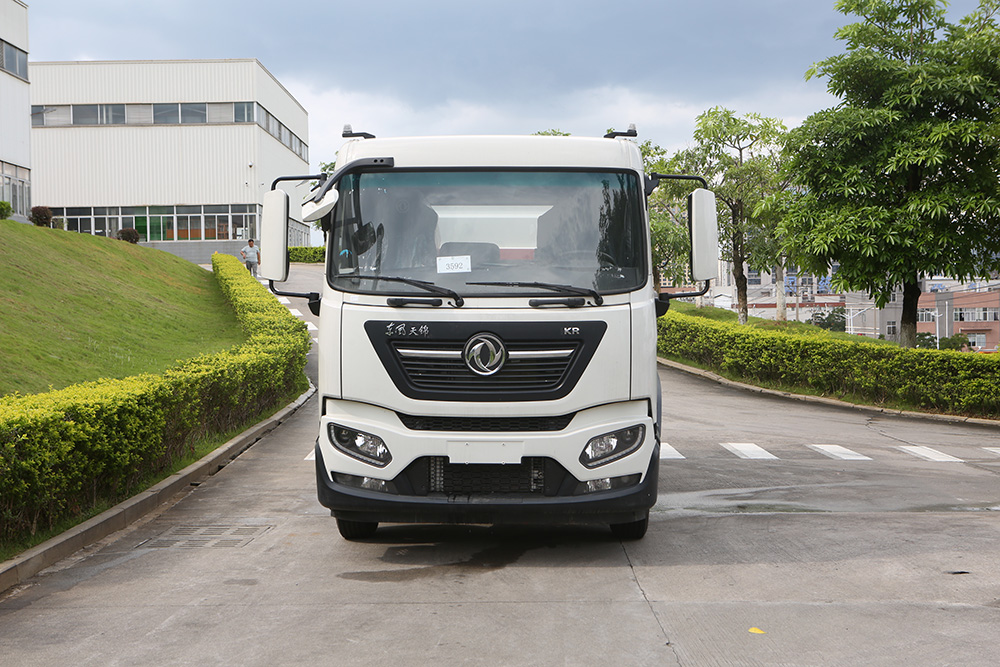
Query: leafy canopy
900,179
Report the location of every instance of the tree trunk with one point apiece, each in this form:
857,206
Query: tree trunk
740,277
780,303
908,320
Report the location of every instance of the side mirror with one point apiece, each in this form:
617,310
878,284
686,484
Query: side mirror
704,229
312,211
274,237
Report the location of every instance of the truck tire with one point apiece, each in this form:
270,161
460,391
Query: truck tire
633,530
356,530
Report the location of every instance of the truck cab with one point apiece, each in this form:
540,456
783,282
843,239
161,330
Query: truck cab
487,336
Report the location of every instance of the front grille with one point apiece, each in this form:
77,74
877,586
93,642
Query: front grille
440,366
527,477
480,424
543,361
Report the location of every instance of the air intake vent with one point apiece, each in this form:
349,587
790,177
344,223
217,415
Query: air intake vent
485,424
525,478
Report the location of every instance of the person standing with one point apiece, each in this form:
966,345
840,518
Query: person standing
251,256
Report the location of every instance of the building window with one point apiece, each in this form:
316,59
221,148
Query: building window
166,114
890,327
977,339
926,315
15,188
187,113
243,112
14,60
194,113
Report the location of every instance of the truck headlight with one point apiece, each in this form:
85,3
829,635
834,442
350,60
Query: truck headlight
363,446
612,446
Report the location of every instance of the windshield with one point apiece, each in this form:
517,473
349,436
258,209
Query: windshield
452,228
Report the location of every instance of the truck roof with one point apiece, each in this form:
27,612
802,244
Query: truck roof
498,151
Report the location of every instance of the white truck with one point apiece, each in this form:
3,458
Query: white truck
487,336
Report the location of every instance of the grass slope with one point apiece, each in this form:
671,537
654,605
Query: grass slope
75,307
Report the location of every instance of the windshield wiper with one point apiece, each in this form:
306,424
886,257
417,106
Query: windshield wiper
562,289
422,284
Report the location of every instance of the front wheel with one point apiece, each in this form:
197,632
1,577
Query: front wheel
633,530
356,530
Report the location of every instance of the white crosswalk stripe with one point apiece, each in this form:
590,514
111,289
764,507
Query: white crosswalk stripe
312,327
928,454
284,300
668,452
995,450
838,452
295,311
311,456
748,450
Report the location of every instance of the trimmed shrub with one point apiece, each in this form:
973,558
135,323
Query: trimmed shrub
6,210
64,451
128,234
309,254
938,380
40,216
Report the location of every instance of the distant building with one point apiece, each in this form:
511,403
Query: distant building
972,310
182,151
15,109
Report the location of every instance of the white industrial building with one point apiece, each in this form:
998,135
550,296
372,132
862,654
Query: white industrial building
15,109
182,151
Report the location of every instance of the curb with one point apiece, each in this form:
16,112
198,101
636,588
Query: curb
29,563
709,375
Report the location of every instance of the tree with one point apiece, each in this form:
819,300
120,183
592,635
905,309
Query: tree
128,234
740,157
900,179
41,216
834,319
6,210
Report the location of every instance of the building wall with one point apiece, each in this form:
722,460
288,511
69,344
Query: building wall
126,162
974,314
15,110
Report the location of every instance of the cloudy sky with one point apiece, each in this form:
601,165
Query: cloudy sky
419,67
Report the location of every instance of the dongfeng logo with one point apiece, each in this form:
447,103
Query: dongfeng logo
484,354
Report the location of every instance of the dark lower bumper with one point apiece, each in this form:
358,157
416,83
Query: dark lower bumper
619,506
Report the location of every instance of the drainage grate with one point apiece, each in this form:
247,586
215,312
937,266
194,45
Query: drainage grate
214,536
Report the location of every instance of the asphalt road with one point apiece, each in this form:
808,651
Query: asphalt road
880,557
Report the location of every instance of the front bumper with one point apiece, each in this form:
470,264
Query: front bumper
560,504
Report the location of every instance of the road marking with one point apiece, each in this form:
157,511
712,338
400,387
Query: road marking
312,327
668,452
748,450
296,312
928,454
995,450
838,452
284,300
315,340
312,456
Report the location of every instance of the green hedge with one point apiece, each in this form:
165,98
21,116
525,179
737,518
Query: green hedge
939,380
64,451
308,254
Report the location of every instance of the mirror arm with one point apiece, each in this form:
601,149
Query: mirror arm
311,177
314,297
653,180
664,296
